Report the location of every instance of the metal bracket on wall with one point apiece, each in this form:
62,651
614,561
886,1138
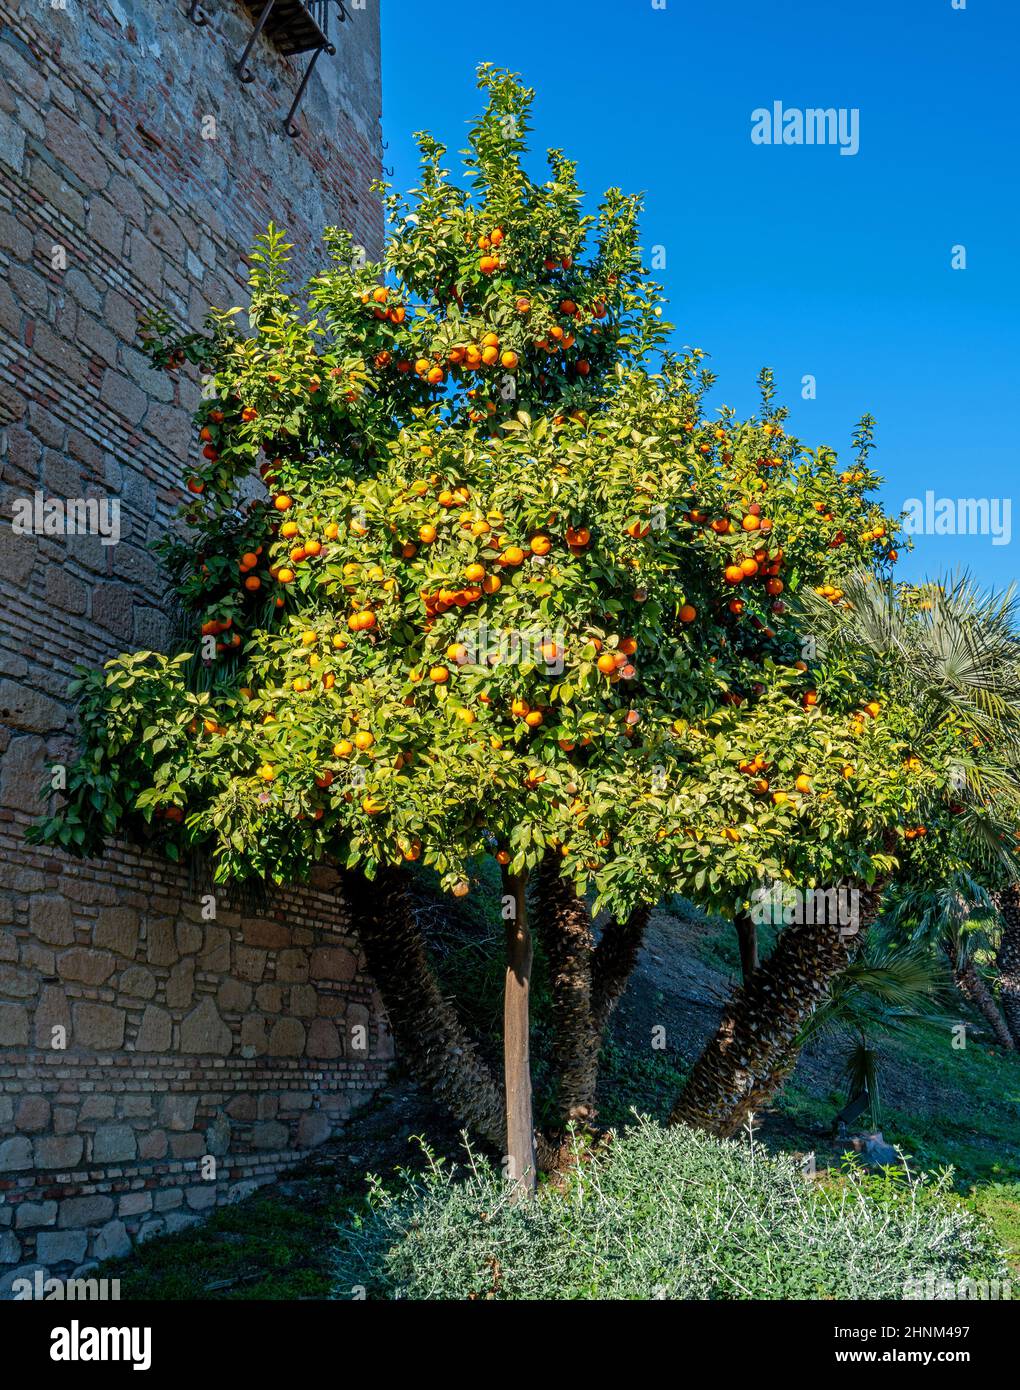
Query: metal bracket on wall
292,26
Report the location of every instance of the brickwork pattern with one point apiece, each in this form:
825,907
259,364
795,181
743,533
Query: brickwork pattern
135,170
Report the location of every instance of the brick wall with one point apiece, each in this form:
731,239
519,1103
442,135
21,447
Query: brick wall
153,1059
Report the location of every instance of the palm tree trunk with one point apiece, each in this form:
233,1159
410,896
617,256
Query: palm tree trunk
429,1036
755,1046
520,1128
1007,960
972,985
613,962
563,924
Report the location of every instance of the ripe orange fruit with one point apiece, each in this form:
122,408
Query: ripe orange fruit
475,572
285,576
289,529
267,772
282,502
810,698
579,536
513,555
534,718
509,360
488,264
688,613
363,740
540,545
439,674
750,567
774,587
803,784
252,583
733,574
491,584
750,523
606,664
523,306
873,708
519,708
457,652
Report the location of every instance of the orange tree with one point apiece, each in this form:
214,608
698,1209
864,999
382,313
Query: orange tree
506,589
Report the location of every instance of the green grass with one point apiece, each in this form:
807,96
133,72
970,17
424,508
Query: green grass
259,1249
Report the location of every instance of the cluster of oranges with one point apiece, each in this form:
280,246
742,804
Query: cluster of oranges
616,665
754,767
488,264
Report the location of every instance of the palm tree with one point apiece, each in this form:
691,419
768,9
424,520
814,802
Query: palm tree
952,650
889,989
956,917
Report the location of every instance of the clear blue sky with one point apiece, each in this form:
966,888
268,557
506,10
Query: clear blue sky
792,256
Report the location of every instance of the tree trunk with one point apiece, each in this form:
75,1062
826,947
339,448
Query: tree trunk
1007,960
755,1047
747,939
563,925
613,963
429,1036
972,985
520,1129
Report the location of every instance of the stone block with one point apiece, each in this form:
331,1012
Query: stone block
15,1154
57,1247
85,1211
31,1214
85,965
313,1129
333,963
269,1135
323,1040
49,919
117,930
114,1144
155,1031
33,1114
112,1241
177,1112
98,1026
286,1038
203,1031
13,1025
62,1151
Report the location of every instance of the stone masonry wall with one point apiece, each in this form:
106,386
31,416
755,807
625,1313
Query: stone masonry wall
153,1060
